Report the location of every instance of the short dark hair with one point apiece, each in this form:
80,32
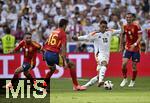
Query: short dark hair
27,33
103,22
63,22
133,15
7,30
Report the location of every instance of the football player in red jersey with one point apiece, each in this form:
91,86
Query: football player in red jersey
133,34
29,49
55,54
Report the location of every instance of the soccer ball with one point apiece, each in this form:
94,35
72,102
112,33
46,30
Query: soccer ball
108,85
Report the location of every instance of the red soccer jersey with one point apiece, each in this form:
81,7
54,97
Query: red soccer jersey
55,40
29,50
132,31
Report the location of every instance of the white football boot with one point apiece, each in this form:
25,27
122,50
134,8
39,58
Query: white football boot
132,83
124,82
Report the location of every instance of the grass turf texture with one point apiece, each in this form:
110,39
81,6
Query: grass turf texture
61,92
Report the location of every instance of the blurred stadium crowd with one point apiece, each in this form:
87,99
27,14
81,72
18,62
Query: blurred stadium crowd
40,17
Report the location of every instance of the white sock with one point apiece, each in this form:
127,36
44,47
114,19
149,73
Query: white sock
102,73
91,82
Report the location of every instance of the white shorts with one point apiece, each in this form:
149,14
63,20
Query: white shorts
102,57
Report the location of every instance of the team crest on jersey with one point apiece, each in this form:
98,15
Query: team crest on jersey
99,37
129,32
26,49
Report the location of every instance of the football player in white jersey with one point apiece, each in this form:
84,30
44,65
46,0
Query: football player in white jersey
101,39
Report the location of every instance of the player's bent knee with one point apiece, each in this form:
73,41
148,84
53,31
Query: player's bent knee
53,68
104,63
17,71
71,65
124,65
134,66
26,73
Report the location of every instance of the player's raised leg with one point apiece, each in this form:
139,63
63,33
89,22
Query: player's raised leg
91,82
52,59
48,75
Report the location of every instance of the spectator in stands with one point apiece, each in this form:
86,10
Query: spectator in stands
2,22
88,28
146,33
38,16
58,16
81,4
114,24
18,33
8,41
33,4
12,17
25,16
35,28
39,13
75,28
25,4
145,5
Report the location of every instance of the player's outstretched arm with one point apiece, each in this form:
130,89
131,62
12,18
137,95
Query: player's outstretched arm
116,32
80,38
90,36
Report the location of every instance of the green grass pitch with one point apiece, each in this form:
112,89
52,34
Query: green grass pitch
61,92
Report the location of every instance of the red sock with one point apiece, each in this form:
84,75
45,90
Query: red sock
73,76
124,72
29,76
134,75
15,78
48,76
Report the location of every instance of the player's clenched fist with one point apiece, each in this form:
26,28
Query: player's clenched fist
75,38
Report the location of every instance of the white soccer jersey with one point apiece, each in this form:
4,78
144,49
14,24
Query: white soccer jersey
101,43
